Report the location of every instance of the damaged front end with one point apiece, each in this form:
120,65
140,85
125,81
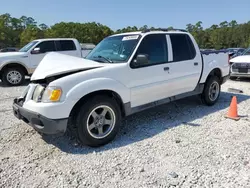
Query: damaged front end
51,78
45,93
41,100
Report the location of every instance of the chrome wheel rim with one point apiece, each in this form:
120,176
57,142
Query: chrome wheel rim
214,91
14,77
101,122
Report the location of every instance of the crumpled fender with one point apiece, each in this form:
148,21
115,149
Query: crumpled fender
96,84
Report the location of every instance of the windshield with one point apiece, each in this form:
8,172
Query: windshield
246,52
114,49
28,46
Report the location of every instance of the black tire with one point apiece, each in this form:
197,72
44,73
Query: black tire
6,71
206,99
80,127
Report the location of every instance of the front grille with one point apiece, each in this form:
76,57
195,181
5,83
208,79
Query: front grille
241,66
243,70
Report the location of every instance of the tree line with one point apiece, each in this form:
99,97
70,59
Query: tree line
16,32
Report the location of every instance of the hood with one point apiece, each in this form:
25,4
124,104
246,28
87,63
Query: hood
54,64
241,59
11,54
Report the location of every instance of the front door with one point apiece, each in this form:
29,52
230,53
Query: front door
148,83
42,49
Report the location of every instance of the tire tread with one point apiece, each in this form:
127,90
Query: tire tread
76,129
204,96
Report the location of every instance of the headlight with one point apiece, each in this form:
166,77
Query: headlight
52,94
37,94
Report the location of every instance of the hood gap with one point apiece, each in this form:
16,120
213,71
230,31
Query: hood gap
49,79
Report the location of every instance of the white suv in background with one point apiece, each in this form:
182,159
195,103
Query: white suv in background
240,66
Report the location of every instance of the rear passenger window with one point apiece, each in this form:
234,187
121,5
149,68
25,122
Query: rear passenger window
67,45
183,48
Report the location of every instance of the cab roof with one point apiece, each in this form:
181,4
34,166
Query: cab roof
146,31
45,39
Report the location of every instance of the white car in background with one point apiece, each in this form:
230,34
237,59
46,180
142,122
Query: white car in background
14,66
240,66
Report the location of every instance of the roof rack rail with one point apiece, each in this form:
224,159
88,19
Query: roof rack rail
163,29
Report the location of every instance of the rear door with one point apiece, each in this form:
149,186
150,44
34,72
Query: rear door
67,47
185,66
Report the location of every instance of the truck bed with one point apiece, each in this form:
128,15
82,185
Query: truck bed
212,60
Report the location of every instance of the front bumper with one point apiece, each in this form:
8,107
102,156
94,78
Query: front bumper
37,121
242,75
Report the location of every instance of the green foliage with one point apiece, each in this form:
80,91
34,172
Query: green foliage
84,32
29,34
19,31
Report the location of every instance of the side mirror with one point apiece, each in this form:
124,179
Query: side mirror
141,59
36,51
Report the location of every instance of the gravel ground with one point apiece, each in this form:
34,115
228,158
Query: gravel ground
183,144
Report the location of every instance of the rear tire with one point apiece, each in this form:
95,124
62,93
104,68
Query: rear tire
211,92
98,121
13,76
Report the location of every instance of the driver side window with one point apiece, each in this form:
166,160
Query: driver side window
155,46
46,46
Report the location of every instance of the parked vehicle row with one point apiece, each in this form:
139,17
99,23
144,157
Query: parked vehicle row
124,74
9,49
233,52
14,66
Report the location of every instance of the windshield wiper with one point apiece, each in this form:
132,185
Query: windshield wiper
108,60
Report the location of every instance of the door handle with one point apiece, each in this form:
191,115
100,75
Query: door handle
195,64
166,68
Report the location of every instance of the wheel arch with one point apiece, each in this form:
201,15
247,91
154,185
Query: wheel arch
109,93
215,72
14,64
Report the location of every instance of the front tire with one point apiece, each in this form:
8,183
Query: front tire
98,121
211,92
13,76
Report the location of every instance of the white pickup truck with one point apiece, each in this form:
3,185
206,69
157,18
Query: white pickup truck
14,66
125,73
